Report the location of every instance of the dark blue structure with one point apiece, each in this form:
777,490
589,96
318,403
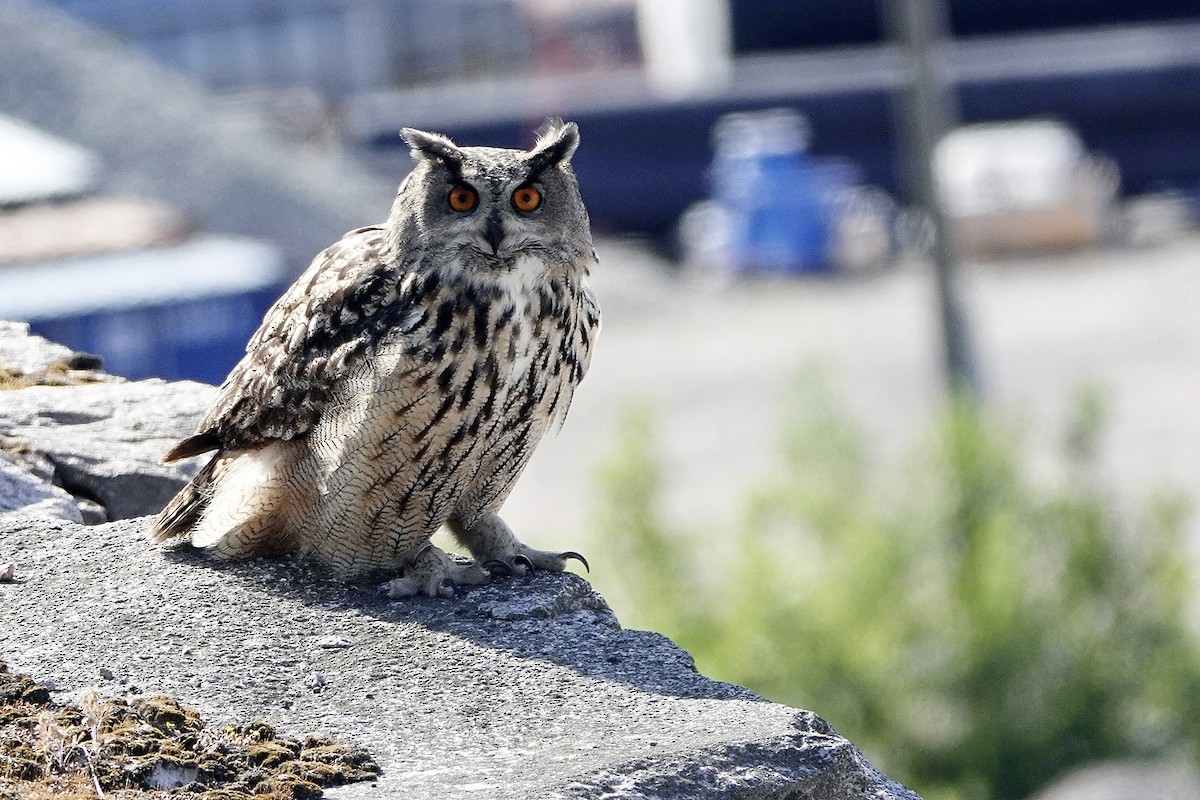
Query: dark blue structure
177,312
772,26
641,168
644,162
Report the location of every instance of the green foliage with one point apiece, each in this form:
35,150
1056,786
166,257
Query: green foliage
976,629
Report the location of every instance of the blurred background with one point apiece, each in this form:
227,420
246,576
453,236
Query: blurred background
894,412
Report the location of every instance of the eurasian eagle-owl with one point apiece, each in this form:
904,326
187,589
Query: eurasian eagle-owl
402,383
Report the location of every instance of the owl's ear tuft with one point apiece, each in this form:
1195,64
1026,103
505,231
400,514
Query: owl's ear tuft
556,143
431,145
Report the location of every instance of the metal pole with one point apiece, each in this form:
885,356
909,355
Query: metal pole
928,111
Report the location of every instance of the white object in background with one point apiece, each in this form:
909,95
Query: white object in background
37,166
773,131
1152,219
704,239
863,235
687,45
994,167
1025,185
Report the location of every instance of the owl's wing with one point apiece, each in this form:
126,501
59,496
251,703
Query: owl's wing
346,300
578,350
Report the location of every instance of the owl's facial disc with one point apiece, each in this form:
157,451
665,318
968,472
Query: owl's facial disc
502,221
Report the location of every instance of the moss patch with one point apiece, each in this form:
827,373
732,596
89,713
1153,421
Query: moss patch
154,747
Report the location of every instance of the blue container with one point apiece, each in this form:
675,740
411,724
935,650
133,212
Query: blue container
778,201
181,312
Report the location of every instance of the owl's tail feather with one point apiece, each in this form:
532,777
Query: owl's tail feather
193,446
185,508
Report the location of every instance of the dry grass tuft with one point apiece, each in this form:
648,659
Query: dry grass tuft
79,368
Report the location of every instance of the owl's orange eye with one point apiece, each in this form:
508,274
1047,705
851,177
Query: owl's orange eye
526,199
463,199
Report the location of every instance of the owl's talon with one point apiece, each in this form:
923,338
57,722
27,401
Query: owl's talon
497,567
569,554
434,574
494,545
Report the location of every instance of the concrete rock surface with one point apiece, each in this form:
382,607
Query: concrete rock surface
524,689
527,688
22,490
104,440
24,353
96,437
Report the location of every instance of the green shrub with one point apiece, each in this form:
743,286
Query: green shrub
977,630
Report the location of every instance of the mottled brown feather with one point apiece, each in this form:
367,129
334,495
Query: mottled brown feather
303,347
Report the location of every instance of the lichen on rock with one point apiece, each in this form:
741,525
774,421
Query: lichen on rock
154,743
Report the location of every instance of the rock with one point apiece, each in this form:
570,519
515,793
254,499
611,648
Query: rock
22,490
453,700
526,688
23,353
100,439
333,642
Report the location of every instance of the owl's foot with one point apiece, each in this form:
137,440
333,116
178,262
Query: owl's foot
496,547
435,574
527,560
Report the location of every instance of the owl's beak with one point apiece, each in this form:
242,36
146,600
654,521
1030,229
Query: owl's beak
493,234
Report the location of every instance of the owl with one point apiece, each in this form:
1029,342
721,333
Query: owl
403,382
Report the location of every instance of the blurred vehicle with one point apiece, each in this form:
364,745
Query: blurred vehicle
35,165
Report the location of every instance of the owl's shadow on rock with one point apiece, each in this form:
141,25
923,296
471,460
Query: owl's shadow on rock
544,616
